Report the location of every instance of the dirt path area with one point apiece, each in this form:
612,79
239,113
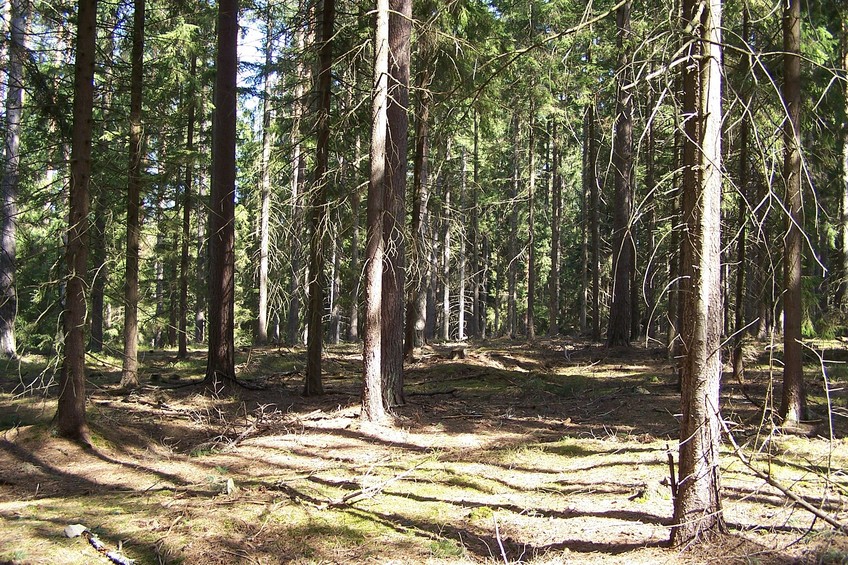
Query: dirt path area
503,453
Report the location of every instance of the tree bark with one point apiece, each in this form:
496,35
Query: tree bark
446,253
129,370
182,351
476,310
265,188
394,273
844,227
355,267
318,208
9,187
512,243
298,180
70,412
462,259
618,332
530,317
793,404
372,395
220,368
697,504
556,235
594,220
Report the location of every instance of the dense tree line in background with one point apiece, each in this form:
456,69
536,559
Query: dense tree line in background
560,167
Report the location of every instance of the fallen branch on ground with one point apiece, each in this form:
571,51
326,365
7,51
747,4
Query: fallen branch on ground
116,557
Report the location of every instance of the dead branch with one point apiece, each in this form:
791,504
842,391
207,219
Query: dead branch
799,500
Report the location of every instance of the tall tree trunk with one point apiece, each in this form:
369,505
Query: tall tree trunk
318,207
697,504
353,331
793,404
9,186
129,370
594,219
100,273
265,188
556,236
416,311
182,352
844,227
70,412
446,253
335,288
461,260
618,332
394,274
648,321
372,395
742,209
512,244
220,368
476,318
298,180
484,286
531,226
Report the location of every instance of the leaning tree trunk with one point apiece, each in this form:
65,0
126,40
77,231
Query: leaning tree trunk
793,404
372,395
697,502
9,186
220,368
618,332
70,412
318,208
129,372
394,273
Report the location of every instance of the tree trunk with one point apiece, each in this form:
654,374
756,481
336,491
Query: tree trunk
556,236
9,186
182,352
446,252
530,319
476,318
844,227
461,260
353,330
100,274
793,404
335,287
372,395
742,210
416,318
70,412
265,189
594,220
394,273
618,332
220,368
298,180
318,208
648,321
697,504
512,244
129,370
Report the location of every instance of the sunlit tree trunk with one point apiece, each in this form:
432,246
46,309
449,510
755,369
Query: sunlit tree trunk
220,368
265,189
618,331
844,287
9,183
446,254
461,260
355,266
70,412
793,404
372,395
697,504
474,328
394,274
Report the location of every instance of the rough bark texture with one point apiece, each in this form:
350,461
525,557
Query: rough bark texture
618,331
793,403
512,237
220,368
372,395
697,504
70,412
394,274
129,370
594,220
530,318
844,301
462,259
318,208
298,179
9,184
353,329
446,248
474,327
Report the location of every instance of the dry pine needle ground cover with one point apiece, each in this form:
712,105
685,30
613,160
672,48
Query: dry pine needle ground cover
550,453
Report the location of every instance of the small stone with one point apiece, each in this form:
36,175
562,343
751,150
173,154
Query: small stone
230,487
74,530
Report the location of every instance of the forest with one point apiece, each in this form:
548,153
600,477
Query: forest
473,281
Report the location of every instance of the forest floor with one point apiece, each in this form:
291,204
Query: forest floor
545,453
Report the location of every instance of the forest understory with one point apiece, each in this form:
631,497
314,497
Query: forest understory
505,452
